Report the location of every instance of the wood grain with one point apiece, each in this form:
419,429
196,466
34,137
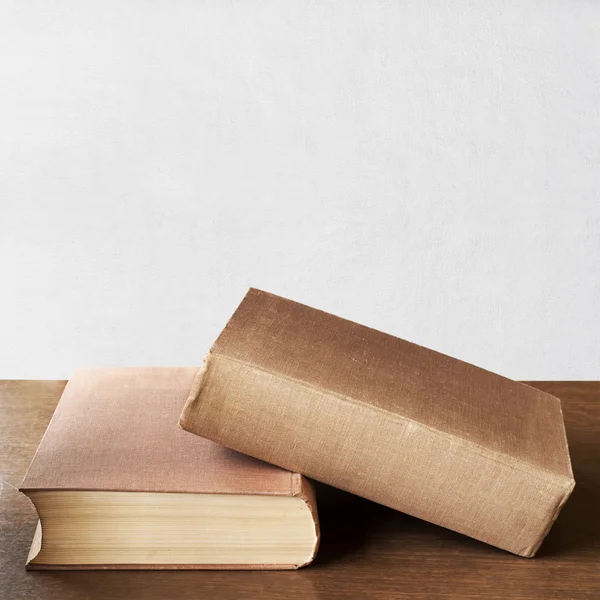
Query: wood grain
366,550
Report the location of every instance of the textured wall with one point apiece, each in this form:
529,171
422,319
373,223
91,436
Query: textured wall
431,169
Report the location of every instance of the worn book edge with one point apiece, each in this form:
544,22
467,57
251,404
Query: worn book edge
567,484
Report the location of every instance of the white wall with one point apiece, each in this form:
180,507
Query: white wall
431,169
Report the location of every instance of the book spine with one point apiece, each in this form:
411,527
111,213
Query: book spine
376,454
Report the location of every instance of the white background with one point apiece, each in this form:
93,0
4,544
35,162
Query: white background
431,169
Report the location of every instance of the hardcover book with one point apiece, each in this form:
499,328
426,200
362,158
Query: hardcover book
117,484
386,419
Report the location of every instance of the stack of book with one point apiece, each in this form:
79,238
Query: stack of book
210,467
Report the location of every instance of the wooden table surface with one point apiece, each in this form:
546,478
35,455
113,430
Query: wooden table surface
367,551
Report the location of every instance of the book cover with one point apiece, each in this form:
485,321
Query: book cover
114,469
386,419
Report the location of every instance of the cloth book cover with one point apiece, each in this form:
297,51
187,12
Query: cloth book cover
117,484
386,419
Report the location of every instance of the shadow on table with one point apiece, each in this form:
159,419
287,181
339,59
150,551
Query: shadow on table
577,529
345,520
352,528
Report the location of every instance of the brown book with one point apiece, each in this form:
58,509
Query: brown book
117,484
386,419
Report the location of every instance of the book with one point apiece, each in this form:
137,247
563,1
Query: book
386,419
117,484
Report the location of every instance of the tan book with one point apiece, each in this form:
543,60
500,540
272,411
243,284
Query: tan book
117,484
386,419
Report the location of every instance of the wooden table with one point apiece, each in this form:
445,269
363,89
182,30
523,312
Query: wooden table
367,551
